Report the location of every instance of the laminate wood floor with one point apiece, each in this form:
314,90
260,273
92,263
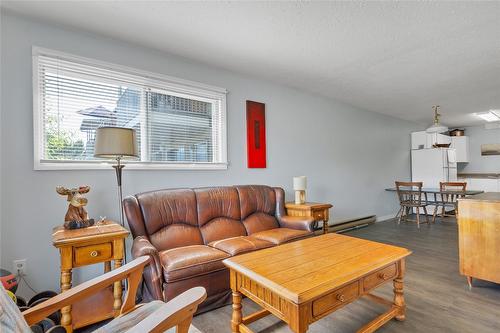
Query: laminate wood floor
437,297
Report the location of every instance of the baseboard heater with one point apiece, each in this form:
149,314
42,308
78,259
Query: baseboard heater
349,224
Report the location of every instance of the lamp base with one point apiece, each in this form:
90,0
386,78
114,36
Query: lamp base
300,197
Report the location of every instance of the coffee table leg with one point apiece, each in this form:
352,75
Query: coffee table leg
236,318
399,299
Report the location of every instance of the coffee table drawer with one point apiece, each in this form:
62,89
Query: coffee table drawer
379,277
335,299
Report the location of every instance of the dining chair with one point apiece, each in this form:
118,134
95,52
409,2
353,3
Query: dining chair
155,316
450,199
411,197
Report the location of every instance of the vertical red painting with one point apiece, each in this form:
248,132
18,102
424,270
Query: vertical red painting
256,134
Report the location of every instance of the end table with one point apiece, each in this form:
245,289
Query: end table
319,211
100,243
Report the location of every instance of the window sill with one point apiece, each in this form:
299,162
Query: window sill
53,166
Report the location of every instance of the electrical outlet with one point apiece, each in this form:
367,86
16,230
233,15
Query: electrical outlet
20,267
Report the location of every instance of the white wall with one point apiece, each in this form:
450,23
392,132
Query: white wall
478,135
349,155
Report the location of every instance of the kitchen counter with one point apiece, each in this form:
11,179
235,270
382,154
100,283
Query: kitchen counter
484,197
478,237
479,175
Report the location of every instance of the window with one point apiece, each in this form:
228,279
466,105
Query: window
179,124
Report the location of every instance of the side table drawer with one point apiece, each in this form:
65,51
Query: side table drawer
335,299
319,215
92,254
379,277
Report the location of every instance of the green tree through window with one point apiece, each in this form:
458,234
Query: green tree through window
61,144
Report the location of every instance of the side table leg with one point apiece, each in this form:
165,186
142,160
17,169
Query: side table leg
117,289
325,226
66,277
107,266
399,299
237,316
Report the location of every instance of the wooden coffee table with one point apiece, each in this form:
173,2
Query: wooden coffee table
299,284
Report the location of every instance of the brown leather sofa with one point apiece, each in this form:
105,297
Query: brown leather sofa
188,232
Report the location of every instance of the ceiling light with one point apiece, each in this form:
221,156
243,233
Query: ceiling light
489,116
497,112
436,127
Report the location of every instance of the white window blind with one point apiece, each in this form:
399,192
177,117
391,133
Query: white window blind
179,124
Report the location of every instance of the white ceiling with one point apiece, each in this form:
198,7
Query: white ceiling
396,58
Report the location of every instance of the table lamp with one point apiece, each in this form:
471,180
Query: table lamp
116,143
299,186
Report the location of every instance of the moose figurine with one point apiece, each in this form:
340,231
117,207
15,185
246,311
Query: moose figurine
76,216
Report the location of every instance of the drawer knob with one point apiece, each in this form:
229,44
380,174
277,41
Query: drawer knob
383,276
94,253
341,298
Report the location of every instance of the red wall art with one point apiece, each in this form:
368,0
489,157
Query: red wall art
256,134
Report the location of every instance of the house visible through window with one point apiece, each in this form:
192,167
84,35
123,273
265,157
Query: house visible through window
179,124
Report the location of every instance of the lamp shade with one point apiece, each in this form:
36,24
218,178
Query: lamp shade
300,183
112,142
437,128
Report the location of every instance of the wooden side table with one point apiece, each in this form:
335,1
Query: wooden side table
101,243
320,211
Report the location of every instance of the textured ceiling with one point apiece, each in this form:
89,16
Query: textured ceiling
396,58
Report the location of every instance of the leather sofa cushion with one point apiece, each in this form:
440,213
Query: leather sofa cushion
281,235
256,198
258,207
189,261
239,245
219,213
170,218
259,222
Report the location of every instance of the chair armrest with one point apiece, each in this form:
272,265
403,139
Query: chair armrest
131,271
153,275
177,312
297,222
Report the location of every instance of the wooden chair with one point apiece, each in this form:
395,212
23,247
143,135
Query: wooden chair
155,316
450,199
411,197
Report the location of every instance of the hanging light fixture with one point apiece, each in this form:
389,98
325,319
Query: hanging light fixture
436,127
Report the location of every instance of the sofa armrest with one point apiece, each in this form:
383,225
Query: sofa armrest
297,222
153,274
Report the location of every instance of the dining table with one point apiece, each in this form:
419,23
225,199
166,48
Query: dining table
435,191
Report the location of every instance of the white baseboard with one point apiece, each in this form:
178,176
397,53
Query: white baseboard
385,217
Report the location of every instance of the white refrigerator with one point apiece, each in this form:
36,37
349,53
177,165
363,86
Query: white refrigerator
432,166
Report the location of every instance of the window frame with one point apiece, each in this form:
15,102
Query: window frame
148,79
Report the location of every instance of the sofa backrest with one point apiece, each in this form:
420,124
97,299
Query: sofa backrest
180,217
219,213
258,207
168,218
